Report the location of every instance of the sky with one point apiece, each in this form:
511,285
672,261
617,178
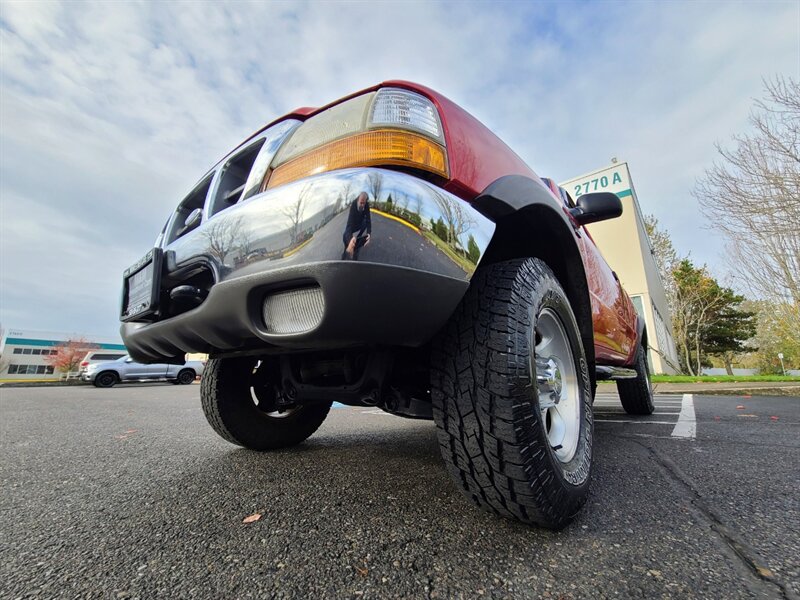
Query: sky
110,112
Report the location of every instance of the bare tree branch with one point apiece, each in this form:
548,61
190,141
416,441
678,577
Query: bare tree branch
753,196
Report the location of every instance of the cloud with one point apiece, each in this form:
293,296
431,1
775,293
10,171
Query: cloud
110,112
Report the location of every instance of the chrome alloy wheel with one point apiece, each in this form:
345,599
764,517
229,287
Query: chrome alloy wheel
557,383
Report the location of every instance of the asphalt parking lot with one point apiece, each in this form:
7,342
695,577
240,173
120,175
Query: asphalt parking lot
128,493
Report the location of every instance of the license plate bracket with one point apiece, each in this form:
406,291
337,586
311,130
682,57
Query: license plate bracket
141,287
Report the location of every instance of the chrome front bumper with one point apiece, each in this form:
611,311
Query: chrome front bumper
424,247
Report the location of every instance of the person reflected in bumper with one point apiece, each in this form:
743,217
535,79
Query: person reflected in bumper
358,231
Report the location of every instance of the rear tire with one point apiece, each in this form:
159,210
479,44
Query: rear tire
512,396
246,415
186,377
106,379
636,395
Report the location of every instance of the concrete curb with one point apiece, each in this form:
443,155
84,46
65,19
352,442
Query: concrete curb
759,388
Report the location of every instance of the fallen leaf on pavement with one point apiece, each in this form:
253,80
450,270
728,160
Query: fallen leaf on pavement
774,418
740,407
252,518
752,416
362,572
764,572
131,431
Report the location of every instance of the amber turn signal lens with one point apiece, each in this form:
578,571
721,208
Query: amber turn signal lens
368,149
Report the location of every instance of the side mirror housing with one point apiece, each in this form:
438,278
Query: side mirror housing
194,218
597,206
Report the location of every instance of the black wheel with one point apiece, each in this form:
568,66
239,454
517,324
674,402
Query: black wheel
636,395
106,379
186,377
512,396
240,399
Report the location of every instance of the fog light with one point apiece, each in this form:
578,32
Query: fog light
294,311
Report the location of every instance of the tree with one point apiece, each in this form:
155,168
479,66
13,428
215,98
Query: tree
374,186
69,354
294,212
776,333
664,253
440,229
707,318
473,251
753,196
730,330
457,221
223,237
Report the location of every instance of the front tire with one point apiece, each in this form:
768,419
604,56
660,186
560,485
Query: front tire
239,400
636,395
512,396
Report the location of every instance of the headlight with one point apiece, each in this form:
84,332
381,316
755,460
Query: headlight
389,127
408,110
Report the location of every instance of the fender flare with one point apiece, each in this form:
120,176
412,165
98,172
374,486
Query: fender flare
518,204
511,193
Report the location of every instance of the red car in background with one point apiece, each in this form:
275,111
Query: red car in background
389,250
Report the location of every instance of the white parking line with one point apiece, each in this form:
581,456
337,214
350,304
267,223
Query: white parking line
616,402
633,421
686,427
622,413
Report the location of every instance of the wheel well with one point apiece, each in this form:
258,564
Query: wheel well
537,231
110,371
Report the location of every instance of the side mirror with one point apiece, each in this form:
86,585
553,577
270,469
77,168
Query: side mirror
597,206
193,219
128,360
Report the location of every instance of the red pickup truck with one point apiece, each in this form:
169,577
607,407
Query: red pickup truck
389,250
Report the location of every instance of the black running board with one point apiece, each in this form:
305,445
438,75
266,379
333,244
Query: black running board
605,373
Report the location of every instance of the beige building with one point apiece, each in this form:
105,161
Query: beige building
626,247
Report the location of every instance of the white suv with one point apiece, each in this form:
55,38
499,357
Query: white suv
97,357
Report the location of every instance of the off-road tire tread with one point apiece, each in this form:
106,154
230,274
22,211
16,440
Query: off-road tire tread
222,387
489,435
636,395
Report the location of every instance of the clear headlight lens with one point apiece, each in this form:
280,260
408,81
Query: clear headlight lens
406,109
344,119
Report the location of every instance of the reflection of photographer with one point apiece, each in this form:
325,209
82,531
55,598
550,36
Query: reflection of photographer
359,228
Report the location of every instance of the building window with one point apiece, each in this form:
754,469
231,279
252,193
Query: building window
638,306
27,351
17,350
30,370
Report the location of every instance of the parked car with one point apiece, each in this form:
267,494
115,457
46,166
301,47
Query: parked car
389,250
125,370
96,356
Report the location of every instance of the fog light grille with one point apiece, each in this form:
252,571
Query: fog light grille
294,311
